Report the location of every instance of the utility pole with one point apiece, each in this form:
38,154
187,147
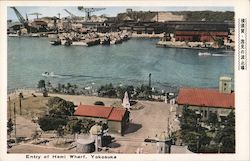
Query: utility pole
149,84
168,129
149,80
20,102
15,121
9,104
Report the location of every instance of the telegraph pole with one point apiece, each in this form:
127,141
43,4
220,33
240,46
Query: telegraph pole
9,106
20,102
149,80
149,84
15,120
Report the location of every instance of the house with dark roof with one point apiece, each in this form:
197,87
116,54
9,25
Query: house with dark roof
117,119
206,101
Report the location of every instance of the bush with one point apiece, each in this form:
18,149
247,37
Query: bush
50,123
60,108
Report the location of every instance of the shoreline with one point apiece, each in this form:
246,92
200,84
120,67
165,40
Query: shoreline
161,44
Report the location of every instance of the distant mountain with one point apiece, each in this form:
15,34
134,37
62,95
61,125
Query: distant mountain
206,15
162,16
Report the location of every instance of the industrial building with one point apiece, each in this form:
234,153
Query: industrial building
183,30
206,101
201,31
117,119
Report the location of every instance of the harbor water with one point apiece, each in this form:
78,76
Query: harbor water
128,63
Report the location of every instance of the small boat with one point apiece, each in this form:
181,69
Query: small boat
48,74
204,54
13,35
79,43
105,41
116,41
66,41
55,42
35,35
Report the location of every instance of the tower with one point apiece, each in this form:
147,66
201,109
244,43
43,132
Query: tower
225,85
125,102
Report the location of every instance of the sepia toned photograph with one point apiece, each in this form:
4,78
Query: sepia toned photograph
120,80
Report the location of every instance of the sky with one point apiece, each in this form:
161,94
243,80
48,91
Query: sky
109,11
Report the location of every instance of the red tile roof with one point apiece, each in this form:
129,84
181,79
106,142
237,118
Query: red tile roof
205,97
117,114
109,113
93,111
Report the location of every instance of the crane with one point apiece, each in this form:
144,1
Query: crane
88,11
59,15
71,14
20,17
36,13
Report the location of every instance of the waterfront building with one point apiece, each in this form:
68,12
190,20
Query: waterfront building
201,32
117,119
205,102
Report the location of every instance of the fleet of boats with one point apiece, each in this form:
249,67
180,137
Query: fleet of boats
89,39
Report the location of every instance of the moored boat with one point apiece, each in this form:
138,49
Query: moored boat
204,54
48,74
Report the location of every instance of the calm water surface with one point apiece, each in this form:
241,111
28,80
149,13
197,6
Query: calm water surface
126,63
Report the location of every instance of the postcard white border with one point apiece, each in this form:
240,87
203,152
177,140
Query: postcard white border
241,79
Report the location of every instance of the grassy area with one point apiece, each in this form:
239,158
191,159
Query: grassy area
31,106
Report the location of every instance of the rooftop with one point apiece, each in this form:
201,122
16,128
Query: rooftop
205,97
109,113
93,111
116,114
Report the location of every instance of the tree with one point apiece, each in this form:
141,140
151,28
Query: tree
58,114
192,133
107,90
41,84
51,123
86,124
213,120
9,127
60,107
60,132
226,134
73,126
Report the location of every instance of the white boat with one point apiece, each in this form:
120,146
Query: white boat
35,35
48,74
79,43
204,54
13,35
